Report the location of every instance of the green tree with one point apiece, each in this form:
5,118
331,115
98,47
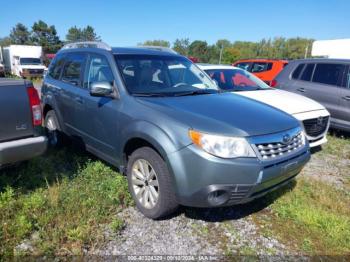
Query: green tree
20,35
182,46
163,43
200,50
45,36
5,41
76,34
230,55
89,34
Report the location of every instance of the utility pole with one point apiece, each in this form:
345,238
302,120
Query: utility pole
221,50
306,50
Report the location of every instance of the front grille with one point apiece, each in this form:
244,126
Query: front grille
279,149
35,71
239,193
316,126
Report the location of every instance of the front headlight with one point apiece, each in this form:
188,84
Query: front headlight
222,146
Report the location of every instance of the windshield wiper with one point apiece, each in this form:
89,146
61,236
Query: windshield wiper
149,94
194,92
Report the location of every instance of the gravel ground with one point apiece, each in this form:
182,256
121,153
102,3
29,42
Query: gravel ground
191,232
222,231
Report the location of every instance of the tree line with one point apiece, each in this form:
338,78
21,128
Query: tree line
223,51
46,36
226,52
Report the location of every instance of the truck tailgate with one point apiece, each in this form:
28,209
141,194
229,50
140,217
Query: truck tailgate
15,112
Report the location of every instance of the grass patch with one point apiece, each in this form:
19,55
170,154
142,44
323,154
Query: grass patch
313,217
337,146
59,203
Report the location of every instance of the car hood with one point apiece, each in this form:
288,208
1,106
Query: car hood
288,102
225,113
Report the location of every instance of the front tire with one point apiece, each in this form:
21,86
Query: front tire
150,183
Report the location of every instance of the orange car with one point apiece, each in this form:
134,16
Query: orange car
265,69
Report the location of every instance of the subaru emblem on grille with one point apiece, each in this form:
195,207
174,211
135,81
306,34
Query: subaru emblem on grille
286,138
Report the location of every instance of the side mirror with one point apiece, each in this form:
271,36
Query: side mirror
101,89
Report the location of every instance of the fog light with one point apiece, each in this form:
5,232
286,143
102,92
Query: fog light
218,197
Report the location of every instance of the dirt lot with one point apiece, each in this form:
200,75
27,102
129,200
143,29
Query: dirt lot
68,202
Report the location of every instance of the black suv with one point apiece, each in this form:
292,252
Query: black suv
324,80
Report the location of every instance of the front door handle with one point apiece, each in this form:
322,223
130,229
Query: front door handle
79,99
301,90
347,98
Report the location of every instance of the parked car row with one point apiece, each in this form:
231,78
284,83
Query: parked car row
312,115
183,134
324,80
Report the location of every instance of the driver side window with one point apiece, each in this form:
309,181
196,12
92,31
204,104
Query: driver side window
98,71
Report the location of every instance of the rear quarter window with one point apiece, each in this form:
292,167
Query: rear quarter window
329,74
56,67
307,73
297,71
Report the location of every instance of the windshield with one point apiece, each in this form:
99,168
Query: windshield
236,80
29,61
163,75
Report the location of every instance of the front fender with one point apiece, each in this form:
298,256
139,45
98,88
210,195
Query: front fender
164,142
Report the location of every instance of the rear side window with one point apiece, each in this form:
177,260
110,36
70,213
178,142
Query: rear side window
72,70
261,67
56,67
307,73
329,74
244,66
297,71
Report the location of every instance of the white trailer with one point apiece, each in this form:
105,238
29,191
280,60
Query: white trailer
24,60
338,48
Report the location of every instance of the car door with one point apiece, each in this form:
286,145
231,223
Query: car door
70,86
321,82
345,99
99,118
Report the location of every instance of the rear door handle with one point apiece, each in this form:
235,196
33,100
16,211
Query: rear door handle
347,98
301,90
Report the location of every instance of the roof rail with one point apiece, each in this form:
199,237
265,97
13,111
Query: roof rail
159,48
87,44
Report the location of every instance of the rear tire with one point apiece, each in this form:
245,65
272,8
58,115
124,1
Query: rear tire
150,183
55,137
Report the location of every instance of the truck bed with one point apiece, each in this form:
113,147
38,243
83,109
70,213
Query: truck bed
15,114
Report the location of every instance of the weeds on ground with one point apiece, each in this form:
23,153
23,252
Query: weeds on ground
313,217
58,204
